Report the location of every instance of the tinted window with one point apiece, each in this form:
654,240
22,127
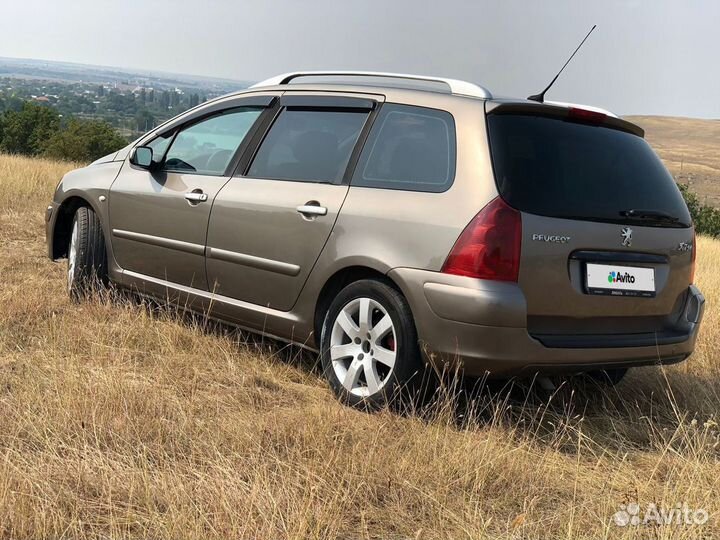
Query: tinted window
208,146
410,148
554,167
309,145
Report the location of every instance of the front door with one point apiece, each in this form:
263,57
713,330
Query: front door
269,226
159,218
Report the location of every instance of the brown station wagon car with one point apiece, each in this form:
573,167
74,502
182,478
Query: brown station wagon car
392,222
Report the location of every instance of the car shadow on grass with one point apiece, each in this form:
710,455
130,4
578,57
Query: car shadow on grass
654,408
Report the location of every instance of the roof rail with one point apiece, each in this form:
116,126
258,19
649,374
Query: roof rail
455,86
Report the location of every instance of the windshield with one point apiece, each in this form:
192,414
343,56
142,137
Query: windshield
559,168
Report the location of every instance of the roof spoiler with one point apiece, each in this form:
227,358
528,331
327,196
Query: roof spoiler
571,111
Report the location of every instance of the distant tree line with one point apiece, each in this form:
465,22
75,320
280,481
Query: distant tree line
37,130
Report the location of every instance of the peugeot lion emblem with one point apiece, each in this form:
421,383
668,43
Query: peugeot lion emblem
627,236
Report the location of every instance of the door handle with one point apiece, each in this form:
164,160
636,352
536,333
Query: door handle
196,196
312,210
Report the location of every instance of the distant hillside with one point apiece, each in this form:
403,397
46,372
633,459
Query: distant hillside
690,148
132,101
24,68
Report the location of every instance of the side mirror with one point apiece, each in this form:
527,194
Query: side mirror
142,157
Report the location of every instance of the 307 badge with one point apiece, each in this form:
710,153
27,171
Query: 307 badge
684,246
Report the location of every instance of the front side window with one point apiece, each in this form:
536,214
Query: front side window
207,147
309,145
409,148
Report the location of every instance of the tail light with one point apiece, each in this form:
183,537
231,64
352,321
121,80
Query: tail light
489,247
586,115
694,255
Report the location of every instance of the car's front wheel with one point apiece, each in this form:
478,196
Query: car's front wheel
369,346
87,258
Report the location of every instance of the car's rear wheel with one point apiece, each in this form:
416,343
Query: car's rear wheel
369,346
87,258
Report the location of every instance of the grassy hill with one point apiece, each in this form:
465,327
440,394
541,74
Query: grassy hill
690,148
118,421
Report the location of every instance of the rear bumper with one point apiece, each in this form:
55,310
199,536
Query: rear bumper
482,326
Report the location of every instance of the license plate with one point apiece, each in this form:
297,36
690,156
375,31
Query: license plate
618,280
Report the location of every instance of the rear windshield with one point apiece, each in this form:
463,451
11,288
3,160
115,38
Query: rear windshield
559,168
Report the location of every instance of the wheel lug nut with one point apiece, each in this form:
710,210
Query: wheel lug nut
357,341
360,356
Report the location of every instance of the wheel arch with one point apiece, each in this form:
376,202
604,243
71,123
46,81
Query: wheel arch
63,224
338,281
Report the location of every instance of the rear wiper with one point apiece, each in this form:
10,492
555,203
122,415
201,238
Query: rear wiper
649,215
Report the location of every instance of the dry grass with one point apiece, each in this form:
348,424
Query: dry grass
117,421
690,148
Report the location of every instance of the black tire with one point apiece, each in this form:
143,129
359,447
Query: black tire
607,377
409,375
87,263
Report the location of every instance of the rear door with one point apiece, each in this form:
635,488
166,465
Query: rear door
607,237
270,223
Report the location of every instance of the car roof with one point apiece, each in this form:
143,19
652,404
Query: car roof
366,81
405,87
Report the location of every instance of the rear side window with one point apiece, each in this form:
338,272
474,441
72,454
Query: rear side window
409,148
207,146
309,145
559,168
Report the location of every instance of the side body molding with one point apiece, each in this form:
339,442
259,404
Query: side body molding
270,265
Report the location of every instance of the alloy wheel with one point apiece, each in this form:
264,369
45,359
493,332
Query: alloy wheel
363,347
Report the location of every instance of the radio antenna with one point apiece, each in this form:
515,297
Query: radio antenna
540,98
